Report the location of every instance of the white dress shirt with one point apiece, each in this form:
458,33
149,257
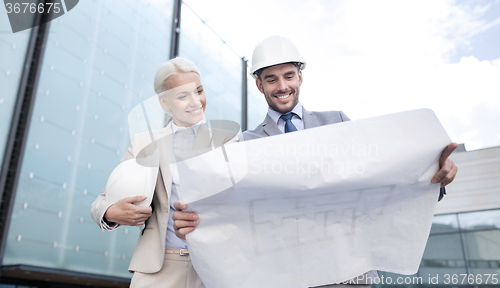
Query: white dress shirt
296,119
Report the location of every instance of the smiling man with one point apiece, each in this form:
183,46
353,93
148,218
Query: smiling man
277,67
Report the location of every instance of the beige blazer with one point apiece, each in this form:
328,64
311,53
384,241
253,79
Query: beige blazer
150,249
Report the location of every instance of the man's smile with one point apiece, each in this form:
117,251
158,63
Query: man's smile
284,97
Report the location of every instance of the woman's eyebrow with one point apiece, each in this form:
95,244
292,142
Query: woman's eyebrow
181,93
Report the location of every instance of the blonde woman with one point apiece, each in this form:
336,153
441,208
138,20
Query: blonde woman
161,259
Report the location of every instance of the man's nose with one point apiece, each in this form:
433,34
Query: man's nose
282,85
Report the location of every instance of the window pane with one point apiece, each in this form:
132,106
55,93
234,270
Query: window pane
220,67
483,252
444,223
480,220
443,255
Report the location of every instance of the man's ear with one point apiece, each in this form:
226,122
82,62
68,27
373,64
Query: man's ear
258,82
300,77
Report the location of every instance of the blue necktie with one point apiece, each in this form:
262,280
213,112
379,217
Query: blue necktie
289,127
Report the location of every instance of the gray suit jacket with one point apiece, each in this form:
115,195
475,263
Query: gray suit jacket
311,120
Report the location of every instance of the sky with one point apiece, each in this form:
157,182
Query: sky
370,58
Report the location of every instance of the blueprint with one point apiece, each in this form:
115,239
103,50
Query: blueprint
315,207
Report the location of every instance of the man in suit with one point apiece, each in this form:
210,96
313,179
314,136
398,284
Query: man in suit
277,67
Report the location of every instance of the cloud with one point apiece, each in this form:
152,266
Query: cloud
383,63
482,128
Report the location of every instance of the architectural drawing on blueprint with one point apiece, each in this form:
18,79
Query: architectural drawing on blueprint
291,222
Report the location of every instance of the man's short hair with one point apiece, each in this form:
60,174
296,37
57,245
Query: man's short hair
258,72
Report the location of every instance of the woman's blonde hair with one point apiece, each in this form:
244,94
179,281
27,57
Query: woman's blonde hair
172,67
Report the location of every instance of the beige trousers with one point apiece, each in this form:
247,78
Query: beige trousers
176,272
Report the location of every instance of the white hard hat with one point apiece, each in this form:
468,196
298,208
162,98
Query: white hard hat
130,179
275,50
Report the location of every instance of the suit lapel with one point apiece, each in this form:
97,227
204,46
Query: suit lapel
270,127
309,120
166,158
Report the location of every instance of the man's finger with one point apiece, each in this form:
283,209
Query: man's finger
179,224
180,206
450,176
446,153
179,215
181,233
443,171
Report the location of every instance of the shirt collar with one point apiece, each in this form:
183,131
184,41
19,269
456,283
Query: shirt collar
195,127
276,115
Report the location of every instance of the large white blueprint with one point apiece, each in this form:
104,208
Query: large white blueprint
317,206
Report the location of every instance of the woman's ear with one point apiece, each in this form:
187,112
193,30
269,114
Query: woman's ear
163,102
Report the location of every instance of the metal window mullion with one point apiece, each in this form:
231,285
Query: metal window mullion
176,29
462,242
21,118
244,94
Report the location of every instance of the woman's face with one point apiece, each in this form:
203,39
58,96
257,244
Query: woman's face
185,99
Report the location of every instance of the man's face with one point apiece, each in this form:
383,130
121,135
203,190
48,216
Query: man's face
280,85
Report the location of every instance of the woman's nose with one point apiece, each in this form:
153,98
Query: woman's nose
194,99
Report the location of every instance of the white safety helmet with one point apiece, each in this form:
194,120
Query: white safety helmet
275,50
130,179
